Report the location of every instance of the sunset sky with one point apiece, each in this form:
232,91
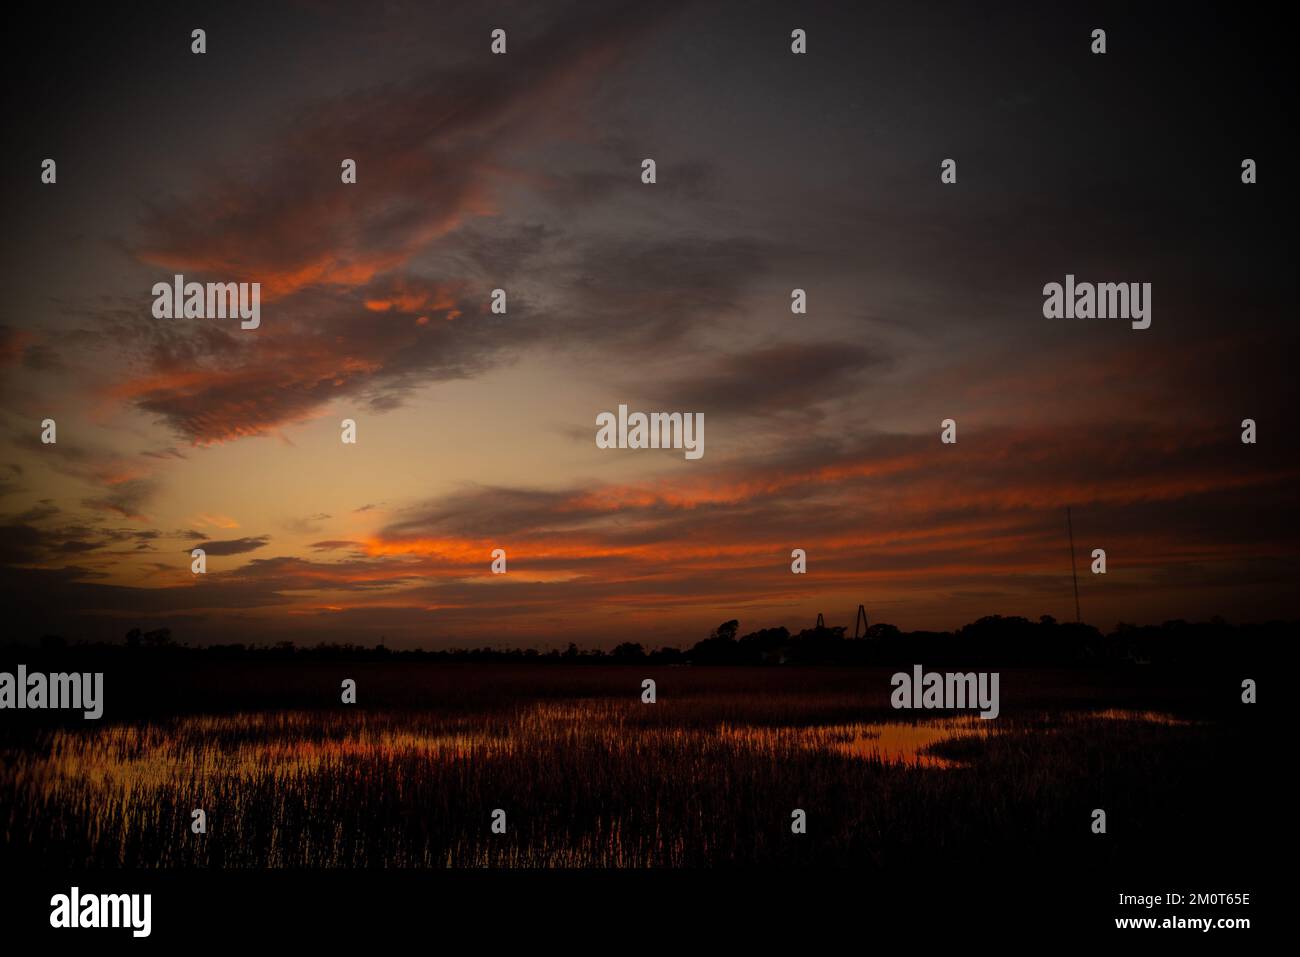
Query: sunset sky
476,431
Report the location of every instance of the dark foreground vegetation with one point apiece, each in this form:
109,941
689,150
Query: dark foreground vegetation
590,776
1145,723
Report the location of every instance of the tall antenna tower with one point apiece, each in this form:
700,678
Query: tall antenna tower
821,622
1073,571
860,622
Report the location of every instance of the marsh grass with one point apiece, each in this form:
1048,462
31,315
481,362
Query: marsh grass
707,776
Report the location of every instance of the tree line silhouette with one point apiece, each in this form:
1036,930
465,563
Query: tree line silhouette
994,639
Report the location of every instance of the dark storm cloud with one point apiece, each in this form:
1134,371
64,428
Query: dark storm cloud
298,573
424,150
685,182
335,545
333,260
72,547
653,291
37,536
167,453
73,590
612,293
42,358
126,498
502,250
476,512
125,489
40,512
782,377
234,546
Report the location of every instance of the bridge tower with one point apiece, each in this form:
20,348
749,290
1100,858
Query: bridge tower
860,622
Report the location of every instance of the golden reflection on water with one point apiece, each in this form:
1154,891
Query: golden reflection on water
285,746
887,742
911,743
